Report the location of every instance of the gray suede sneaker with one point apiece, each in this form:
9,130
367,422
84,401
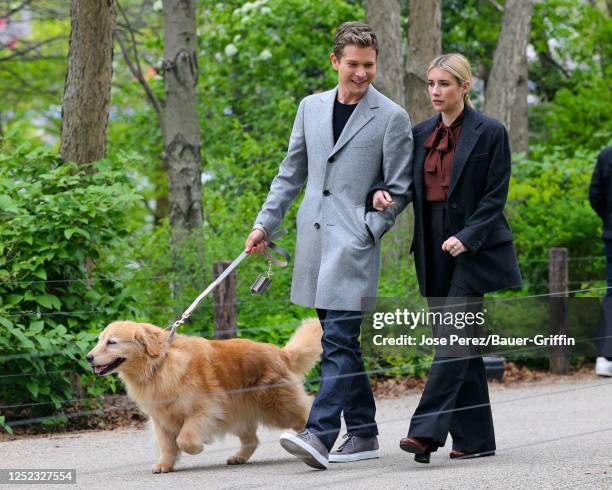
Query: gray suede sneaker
307,447
355,448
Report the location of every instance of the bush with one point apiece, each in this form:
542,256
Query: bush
580,117
548,206
57,222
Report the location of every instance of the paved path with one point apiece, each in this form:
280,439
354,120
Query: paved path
553,435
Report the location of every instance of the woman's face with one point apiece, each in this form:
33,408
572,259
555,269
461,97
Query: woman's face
445,92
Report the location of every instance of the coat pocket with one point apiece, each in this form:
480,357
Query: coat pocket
479,158
352,221
362,226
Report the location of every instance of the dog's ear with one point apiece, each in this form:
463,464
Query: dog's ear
152,339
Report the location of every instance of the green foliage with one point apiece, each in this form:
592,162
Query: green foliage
399,366
572,75
59,224
471,27
33,70
257,60
576,34
548,207
581,117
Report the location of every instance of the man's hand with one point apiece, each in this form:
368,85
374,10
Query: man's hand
382,200
255,243
454,246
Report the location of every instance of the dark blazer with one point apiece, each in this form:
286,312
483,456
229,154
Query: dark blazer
480,177
600,192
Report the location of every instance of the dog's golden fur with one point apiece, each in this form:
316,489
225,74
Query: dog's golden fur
195,389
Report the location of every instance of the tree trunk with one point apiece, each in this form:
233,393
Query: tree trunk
519,120
508,67
87,90
424,44
384,17
182,130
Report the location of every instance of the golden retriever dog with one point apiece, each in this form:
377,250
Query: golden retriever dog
196,389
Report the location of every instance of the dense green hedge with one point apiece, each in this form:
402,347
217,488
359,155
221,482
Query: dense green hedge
548,206
60,225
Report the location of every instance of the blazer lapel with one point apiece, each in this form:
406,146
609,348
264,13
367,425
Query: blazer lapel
467,140
420,152
362,115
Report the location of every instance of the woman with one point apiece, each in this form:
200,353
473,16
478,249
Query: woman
462,247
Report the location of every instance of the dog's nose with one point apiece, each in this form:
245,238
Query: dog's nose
90,358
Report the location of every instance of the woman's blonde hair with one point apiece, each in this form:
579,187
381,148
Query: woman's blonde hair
459,67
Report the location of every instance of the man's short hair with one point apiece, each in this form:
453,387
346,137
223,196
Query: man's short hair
356,34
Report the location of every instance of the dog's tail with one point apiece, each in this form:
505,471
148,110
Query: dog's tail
304,347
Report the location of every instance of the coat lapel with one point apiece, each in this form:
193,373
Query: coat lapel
467,140
326,129
420,152
362,115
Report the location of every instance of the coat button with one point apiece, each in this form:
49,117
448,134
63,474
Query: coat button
331,160
454,206
326,192
317,226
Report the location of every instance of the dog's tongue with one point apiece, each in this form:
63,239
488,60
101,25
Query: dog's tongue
99,369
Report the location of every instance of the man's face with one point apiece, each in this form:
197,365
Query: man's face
356,70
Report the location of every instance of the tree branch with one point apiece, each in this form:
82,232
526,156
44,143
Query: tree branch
14,10
22,81
549,59
136,70
18,53
137,73
497,5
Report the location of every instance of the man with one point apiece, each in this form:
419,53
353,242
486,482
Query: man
600,195
343,141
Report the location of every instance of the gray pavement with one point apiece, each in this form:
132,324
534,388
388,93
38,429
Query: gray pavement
549,435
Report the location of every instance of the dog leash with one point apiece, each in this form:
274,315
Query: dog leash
260,285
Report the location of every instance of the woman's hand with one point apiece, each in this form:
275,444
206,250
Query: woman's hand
454,246
382,200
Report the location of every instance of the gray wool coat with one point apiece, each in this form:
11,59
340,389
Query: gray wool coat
337,256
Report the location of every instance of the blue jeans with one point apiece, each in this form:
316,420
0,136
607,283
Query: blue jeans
345,386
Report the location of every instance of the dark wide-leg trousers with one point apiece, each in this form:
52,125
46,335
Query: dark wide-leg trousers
604,347
344,386
456,396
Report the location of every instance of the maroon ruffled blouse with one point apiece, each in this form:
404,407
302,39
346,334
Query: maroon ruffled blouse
441,144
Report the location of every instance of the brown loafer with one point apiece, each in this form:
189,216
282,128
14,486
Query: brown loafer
462,455
418,447
414,445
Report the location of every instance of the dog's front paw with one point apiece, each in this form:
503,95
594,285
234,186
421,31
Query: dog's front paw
236,460
161,468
